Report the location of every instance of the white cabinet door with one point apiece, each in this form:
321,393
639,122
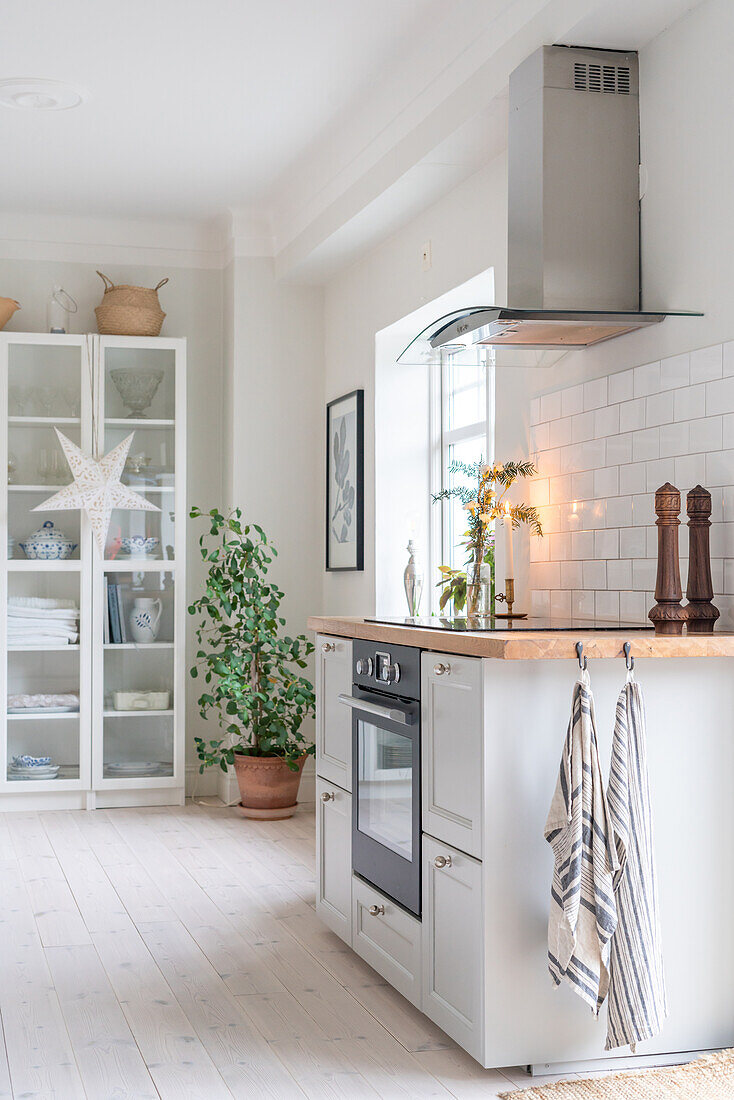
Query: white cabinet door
333,719
387,938
334,858
453,954
452,752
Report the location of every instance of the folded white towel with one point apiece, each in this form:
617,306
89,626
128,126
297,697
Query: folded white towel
49,603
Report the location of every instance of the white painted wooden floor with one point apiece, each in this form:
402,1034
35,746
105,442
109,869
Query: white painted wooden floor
176,953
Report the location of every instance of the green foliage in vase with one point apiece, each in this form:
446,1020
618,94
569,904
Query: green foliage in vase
248,665
483,501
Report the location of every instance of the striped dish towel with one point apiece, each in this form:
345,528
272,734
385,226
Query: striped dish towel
583,914
637,998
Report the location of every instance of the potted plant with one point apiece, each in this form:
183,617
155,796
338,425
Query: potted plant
250,669
484,502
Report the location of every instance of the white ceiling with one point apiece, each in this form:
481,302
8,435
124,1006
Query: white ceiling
321,124
194,105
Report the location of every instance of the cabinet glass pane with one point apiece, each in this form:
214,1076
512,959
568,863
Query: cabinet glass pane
150,471
140,607
139,384
43,679
44,381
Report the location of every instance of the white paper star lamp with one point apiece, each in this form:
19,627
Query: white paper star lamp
96,488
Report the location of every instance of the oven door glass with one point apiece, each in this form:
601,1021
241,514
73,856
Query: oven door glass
385,787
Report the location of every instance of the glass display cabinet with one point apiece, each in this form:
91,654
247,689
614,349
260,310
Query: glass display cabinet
92,663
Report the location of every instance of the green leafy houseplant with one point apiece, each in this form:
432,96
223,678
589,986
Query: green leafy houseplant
248,664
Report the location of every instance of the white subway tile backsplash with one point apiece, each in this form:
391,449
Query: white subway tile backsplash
540,603
690,470
582,427
606,482
706,364
674,439
720,396
632,478
632,415
595,574
632,542
619,449
595,393
561,431
646,445
621,386
606,421
539,491
619,574
572,574
619,512
572,400
560,604
606,543
647,379
706,434
675,372
604,447
550,406
582,605
658,473
719,468
633,607
582,485
607,605
659,409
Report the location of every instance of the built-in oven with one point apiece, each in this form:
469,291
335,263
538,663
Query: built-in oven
386,768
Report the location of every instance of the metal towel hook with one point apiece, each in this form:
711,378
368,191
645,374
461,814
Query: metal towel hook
629,661
583,665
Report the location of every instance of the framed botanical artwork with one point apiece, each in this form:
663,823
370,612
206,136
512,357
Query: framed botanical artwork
345,482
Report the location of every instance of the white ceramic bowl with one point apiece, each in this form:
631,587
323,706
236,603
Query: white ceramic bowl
138,546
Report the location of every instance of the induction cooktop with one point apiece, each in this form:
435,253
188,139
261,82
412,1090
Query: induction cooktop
490,624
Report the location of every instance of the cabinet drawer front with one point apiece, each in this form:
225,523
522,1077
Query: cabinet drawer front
453,737
334,857
390,940
453,953
333,719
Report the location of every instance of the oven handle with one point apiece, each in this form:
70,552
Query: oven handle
391,715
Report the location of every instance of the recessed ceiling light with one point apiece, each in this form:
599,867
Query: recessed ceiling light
31,94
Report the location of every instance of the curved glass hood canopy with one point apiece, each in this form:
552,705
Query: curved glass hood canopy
573,206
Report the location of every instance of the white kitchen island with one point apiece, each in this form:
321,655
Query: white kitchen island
494,716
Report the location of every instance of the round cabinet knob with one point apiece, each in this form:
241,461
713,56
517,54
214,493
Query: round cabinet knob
364,666
442,861
328,647
327,796
441,669
377,910
392,673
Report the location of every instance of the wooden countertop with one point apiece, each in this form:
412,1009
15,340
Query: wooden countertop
530,645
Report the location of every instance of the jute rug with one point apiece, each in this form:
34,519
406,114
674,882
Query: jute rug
708,1078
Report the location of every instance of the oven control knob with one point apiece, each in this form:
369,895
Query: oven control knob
442,861
364,666
391,673
377,910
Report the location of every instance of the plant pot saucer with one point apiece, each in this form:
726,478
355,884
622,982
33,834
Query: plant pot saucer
275,814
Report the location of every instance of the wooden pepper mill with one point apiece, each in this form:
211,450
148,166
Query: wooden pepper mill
700,591
667,615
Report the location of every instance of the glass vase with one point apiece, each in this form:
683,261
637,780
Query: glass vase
480,591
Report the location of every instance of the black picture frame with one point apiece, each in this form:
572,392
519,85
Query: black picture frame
345,483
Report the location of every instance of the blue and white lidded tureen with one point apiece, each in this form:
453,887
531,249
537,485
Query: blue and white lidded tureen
48,544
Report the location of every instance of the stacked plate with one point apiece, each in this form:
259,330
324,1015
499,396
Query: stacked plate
139,768
21,769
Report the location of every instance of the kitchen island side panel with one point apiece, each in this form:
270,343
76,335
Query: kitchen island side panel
690,714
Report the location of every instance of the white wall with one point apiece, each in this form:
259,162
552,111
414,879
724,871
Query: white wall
192,301
687,147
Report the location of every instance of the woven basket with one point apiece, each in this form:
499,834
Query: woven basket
129,310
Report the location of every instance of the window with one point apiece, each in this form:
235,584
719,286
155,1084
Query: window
463,431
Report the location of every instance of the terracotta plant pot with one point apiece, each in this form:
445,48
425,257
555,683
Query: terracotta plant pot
8,307
268,787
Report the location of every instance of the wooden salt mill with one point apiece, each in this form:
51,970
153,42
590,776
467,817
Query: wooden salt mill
667,615
700,591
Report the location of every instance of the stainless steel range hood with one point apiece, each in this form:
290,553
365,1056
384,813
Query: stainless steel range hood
573,242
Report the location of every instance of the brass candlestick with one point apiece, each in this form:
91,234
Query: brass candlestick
508,597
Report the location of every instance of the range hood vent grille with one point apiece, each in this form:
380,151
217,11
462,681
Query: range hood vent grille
591,77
